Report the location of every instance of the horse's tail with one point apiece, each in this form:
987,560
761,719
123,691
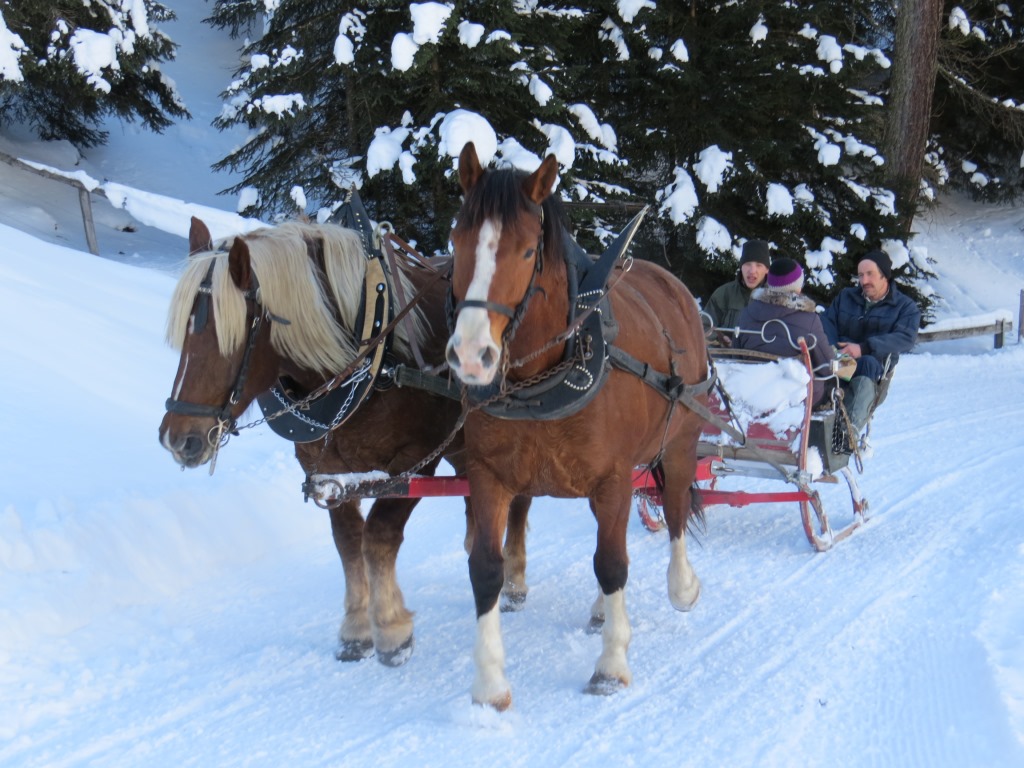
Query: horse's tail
695,519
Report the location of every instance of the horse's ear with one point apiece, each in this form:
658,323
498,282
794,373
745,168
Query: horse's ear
199,238
469,167
541,183
240,264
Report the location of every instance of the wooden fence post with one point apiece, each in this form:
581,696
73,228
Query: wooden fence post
90,227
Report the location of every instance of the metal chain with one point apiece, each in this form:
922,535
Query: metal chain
574,327
217,437
340,416
467,408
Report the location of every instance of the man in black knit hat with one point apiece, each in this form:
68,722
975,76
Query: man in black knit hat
729,300
871,323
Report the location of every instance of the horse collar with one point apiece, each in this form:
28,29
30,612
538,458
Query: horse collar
304,421
586,363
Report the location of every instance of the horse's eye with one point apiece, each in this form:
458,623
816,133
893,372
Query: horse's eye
528,254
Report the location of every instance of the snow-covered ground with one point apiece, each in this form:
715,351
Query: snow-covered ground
155,617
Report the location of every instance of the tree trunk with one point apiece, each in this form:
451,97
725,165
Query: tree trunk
915,63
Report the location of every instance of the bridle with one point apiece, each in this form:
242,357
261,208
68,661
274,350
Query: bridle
516,313
225,421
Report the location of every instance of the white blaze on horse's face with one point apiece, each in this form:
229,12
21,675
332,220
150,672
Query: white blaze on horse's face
473,354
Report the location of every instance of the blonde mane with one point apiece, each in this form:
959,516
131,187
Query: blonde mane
290,288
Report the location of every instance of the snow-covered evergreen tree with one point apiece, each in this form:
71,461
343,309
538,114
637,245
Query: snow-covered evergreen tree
978,115
751,120
735,120
65,66
381,96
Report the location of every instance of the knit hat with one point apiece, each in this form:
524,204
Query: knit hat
786,275
881,258
755,250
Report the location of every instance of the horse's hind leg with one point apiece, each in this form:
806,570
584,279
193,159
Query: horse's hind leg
513,592
355,640
390,620
611,566
681,506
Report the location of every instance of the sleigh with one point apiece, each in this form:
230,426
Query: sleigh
802,448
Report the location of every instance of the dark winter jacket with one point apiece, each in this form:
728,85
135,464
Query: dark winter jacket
728,302
798,313
888,328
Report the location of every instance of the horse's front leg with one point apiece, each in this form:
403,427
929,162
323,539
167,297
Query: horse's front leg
390,620
355,639
515,588
610,506
486,573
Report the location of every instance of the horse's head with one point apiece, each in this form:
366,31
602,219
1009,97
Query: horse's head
498,247
224,336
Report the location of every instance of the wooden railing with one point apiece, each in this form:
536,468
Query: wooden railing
999,328
84,199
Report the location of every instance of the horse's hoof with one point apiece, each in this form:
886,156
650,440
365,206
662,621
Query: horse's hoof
354,650
398,656
499,703
596,625
604,685
686,602
512,601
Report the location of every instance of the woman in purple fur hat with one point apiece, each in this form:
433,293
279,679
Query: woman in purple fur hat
780,299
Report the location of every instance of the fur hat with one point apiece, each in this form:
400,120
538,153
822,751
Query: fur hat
881,258
755,250
786,275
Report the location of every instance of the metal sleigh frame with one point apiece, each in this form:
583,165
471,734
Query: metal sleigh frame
764,455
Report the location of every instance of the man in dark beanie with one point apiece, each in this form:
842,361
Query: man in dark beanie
729,300
778,314
872,323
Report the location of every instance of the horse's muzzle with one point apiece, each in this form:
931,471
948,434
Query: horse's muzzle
190,449
474,363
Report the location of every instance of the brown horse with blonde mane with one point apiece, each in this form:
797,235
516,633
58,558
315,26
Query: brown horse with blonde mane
513,321
282,304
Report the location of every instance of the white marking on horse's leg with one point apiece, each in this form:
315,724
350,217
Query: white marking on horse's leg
472,333
596,614
391,620
683,583
489,684
615,636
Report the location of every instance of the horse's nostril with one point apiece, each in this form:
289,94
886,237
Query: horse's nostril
451,356
191,447
487,357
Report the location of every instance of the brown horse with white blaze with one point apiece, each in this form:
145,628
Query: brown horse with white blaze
511,288
282,304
